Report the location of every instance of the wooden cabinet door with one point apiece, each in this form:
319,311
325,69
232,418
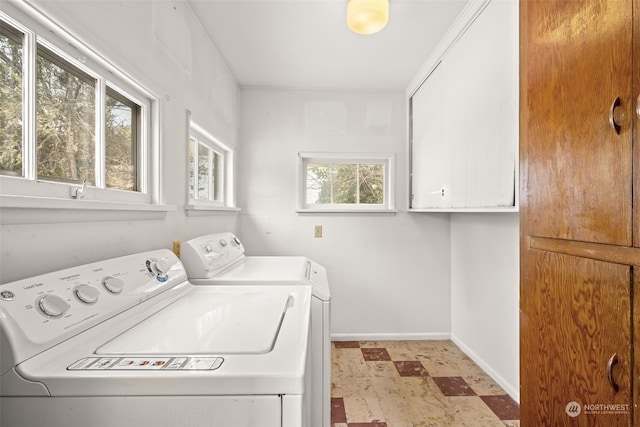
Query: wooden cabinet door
576,59
575,315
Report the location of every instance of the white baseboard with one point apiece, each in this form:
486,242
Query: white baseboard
392,337
513,391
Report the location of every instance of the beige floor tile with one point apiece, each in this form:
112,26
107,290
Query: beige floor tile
447,361
400,353
363,409
353,386
382,369
422,387
348,362
413,411
483,385
471,409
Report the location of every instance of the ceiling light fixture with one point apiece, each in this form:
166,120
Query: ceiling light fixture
367,16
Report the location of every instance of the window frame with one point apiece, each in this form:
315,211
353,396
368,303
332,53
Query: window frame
224,170
27,191
387,159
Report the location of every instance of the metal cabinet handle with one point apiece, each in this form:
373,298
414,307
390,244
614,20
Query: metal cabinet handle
614,121
613,360
638,107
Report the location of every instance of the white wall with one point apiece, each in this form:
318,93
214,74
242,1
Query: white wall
484,249
389,273
161,45
485,293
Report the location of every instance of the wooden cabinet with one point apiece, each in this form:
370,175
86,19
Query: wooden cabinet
580,214
578,318
576,59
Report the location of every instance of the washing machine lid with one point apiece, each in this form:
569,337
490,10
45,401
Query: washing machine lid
268,268
209,320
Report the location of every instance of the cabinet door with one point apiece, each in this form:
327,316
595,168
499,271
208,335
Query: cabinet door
464,118
576,169
575,315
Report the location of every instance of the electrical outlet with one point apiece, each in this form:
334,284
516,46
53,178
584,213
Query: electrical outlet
317,231
176,248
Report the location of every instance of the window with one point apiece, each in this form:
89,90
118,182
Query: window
210,171
11,55
65,120
345,182
68,119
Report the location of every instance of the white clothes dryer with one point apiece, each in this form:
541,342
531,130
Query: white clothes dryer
128,342
219,259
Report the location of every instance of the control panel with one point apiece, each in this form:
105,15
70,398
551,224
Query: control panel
42,311
207,256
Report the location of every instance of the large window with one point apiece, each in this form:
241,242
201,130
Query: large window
68,120
210,171
343,182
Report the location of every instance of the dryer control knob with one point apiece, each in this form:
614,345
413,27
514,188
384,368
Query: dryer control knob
87,294
53,305
113,284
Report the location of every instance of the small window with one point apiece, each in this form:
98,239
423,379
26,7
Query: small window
210,171
345,182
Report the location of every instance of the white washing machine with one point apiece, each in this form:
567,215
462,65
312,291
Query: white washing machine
219,259
128,342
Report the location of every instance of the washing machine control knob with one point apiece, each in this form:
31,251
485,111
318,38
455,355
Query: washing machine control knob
53,305
113,284
87,294
159,267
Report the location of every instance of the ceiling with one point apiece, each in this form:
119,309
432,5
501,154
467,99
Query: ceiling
306,43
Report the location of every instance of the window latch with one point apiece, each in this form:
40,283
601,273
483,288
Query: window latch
77,192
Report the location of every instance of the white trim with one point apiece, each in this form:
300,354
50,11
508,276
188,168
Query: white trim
426,336
511,389
28,202
44,210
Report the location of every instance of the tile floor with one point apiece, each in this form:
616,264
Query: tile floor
413,383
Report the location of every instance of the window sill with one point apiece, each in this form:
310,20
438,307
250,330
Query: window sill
44,210
349,211
202,210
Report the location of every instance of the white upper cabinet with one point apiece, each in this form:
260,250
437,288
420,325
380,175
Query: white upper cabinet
464,115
